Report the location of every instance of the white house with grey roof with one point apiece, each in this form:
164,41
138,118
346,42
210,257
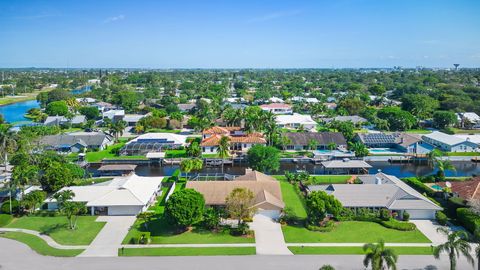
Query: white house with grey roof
450,143
122,196
382,191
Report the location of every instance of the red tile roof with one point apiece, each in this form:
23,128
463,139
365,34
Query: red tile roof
466,189
276,106
254,138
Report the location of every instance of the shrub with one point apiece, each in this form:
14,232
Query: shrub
468,219
144,238
327,226
406,216
5,219
419,186
289,216
441,218
453,204
211,218
384,214
398,225
5,208
241,229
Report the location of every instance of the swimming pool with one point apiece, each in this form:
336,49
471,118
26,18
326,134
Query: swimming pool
437,187
384,151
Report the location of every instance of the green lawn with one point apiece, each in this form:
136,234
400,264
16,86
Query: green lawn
57,228
462,154
40,246
175,153
109,154
352,232
163,233
466,131
358,250
292,199
285,154
204,251
418,131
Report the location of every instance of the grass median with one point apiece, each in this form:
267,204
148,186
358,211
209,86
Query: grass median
203,251
39,245
357,250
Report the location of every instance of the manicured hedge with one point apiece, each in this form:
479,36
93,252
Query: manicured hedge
441,218
453,204
398,225
468,219
419,186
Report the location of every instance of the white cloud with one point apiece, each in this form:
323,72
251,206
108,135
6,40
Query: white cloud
274,15
114,18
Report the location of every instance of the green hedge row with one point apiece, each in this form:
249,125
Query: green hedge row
419,186
469,220
398,225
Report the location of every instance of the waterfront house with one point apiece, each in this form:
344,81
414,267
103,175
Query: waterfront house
154,142
277,108
295,121
382,191
239,141
122,196
450,143
186,107
322,140
76,141
266,189
408,143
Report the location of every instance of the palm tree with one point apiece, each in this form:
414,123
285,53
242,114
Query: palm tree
223,148
7,142
433,156
331,146
186,165
359,148
380,257
455,246
442,166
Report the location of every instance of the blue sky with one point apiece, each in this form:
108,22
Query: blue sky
228,34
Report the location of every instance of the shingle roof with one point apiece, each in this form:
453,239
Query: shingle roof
444,138
322,138
266,191
393,194
253,138
84,138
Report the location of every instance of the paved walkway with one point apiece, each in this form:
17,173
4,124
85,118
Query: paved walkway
110,238
45,237
268,236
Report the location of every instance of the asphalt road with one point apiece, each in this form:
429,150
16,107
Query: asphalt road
17,256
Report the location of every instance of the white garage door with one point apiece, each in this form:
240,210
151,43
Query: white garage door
273,214
124,210
421,214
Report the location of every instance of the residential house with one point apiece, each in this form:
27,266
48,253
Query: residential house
467,190
114,115
345,166
330,105
77,141
277,108
382,191
468,120
450,143
304,99
355,119
276,100
405,142
133,119
238,140
266,189
77,120
154,142
122,196
186,107
295,121
104,106
322,140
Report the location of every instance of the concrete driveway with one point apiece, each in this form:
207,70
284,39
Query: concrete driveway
268,236
429,229
110,238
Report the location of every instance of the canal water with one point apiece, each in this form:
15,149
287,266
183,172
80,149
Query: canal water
399,170
14,112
